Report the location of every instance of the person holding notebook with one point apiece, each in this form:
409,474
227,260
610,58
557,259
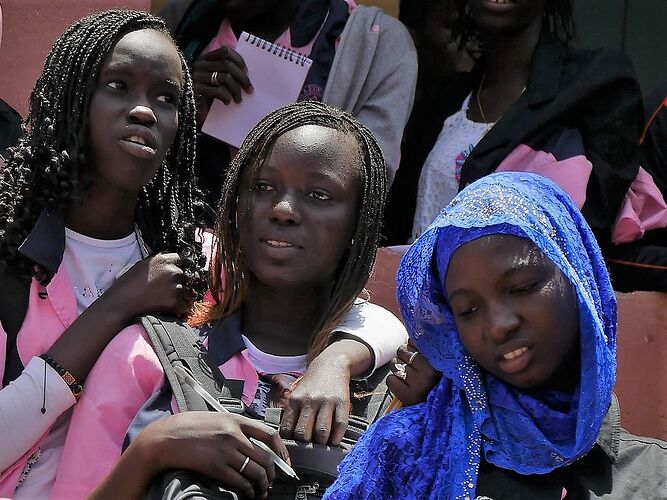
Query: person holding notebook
364,62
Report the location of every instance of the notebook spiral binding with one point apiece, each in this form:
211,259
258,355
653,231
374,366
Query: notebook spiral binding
277,49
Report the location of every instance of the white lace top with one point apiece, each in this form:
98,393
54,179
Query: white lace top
439,180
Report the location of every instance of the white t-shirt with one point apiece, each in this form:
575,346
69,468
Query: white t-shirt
439,179
93,264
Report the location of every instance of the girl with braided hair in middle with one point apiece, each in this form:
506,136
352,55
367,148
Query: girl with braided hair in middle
296,239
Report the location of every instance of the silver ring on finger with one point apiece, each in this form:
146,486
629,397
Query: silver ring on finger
214,79
412,357
401,372
245,464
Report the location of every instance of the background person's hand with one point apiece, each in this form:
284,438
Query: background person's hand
222,74
420,376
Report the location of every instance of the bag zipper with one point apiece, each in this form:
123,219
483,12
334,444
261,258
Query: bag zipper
303,491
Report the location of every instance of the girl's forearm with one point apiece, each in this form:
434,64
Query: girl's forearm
81,344
353,355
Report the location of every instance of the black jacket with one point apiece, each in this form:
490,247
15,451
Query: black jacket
591,92
10,126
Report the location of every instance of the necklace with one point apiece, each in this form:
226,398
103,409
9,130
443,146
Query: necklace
479,102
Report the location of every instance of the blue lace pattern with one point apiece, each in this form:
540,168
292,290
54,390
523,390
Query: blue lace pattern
433,450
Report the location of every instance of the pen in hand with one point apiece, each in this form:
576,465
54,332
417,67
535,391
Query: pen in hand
186,378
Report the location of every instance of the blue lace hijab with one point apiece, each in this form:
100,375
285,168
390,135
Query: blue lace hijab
434,449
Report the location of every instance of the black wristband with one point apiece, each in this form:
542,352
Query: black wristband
69,379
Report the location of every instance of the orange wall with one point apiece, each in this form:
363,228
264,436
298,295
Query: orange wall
157,5
389,6
30,28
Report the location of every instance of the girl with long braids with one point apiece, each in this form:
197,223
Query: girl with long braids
97,226
296,239
97,223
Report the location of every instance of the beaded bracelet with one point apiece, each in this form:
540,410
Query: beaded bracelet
69,379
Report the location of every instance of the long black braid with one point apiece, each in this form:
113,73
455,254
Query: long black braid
558,19
356,265
47,169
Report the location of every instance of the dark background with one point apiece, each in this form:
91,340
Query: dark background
638,27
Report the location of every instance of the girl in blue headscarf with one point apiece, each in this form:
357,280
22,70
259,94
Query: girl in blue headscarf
507,294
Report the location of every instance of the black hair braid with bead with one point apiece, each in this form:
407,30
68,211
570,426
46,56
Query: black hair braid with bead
357,263
558,19
47,170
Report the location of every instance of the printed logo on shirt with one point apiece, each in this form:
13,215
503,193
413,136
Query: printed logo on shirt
311,92
460,160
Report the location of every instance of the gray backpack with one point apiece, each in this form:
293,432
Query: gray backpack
316,465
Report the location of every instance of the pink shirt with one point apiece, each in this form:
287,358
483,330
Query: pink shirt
125,375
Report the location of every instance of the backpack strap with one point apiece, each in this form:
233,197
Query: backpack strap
175,342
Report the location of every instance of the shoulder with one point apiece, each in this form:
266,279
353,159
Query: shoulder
375,15
592,88
630,445
601,66
367,315
640,465
125,374
556,64
131,345
373,21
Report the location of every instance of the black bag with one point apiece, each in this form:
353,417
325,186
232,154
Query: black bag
182,485
316,465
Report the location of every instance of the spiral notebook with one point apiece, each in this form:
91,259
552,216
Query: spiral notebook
277,75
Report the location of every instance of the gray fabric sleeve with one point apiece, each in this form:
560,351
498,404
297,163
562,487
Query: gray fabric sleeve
373,76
